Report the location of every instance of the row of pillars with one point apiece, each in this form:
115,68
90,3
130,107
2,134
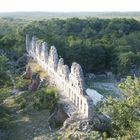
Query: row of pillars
69,92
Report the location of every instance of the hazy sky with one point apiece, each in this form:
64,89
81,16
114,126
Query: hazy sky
69,5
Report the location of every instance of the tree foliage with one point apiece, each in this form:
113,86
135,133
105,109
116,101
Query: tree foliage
99,45
125,112
3,74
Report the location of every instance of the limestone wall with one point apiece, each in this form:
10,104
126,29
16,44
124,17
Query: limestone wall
70,81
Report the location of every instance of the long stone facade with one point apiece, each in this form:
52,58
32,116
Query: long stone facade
70,81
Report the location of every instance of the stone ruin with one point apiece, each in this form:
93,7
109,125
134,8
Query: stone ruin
70,81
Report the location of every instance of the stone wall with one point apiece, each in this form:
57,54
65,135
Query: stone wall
70,81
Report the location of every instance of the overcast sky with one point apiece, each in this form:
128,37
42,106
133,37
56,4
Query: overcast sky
69,5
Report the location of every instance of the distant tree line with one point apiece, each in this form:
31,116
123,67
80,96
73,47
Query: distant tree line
99,45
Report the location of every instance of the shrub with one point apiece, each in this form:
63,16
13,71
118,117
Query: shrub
21,101
22,83
4,93
45,98
5,118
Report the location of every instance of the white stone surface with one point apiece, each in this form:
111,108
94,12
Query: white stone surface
94,95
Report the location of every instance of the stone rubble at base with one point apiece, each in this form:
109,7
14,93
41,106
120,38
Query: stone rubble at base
71,82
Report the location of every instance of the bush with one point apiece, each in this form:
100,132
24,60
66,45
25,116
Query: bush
45,98
5,118
21,101
125,112
4,93
22,83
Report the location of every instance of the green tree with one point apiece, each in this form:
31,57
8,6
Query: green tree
125,112
3,74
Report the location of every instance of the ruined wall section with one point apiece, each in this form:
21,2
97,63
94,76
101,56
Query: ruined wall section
70,81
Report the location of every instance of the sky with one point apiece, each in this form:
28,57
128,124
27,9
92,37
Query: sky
69,5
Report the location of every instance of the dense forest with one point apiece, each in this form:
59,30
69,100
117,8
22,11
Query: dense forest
99,45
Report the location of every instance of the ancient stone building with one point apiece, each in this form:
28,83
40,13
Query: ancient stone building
70,81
